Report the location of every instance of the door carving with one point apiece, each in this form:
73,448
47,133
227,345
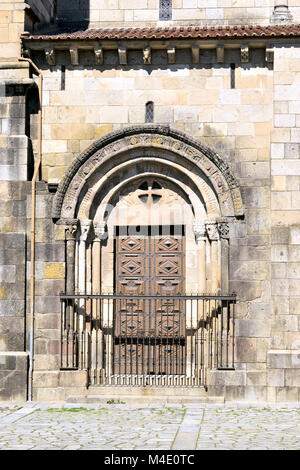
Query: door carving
149,333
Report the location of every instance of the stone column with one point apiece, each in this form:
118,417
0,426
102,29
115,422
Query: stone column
199,337
223,229
85,226
100,235
70,236
213,234
200,235
97,349
281,12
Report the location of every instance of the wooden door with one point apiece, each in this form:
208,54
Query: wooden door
149,333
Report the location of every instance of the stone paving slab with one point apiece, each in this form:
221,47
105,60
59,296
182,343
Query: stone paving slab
125,427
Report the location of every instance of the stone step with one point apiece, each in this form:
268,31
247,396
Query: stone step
119,399
147,392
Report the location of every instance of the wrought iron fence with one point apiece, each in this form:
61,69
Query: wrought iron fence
147,340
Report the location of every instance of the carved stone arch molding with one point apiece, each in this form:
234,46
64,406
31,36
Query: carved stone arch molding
163,142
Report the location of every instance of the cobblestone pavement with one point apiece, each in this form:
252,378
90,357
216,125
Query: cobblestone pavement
155,427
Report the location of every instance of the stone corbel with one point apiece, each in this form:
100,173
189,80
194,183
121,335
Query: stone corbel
122,51
196,54
270,55
100,231
74,55
98,51
50,55
199,231
85,226
147,55
171,51
220,53
212,231
244,53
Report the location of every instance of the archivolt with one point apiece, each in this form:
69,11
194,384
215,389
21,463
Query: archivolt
147,141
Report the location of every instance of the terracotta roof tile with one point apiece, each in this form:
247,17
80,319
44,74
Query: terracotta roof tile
175,32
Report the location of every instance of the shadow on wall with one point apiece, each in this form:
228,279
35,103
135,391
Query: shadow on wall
73,14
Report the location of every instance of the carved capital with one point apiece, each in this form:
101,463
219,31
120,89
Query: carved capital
223,228
199,230
71,232
85,226
100,231
147,55
50,55
212,231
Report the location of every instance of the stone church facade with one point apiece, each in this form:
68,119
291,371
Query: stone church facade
150,199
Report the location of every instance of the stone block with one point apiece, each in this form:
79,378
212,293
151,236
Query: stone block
275,377
234,393
246,290
249,270
287,394
245,350
280,305
45,379
292,377
252,328
278,270
256,393
55,270
13,376
280,235
292,150
283,359
71,378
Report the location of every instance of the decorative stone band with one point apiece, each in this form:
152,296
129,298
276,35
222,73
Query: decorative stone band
217,230
142,137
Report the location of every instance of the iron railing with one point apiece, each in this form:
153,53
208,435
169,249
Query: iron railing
147,340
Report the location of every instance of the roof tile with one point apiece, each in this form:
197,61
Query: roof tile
188,32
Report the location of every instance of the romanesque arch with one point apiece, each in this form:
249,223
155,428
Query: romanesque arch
147,212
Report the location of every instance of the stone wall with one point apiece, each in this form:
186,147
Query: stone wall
44,10
12,17
114,13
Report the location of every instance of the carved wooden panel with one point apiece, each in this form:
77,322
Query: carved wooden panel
149,333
